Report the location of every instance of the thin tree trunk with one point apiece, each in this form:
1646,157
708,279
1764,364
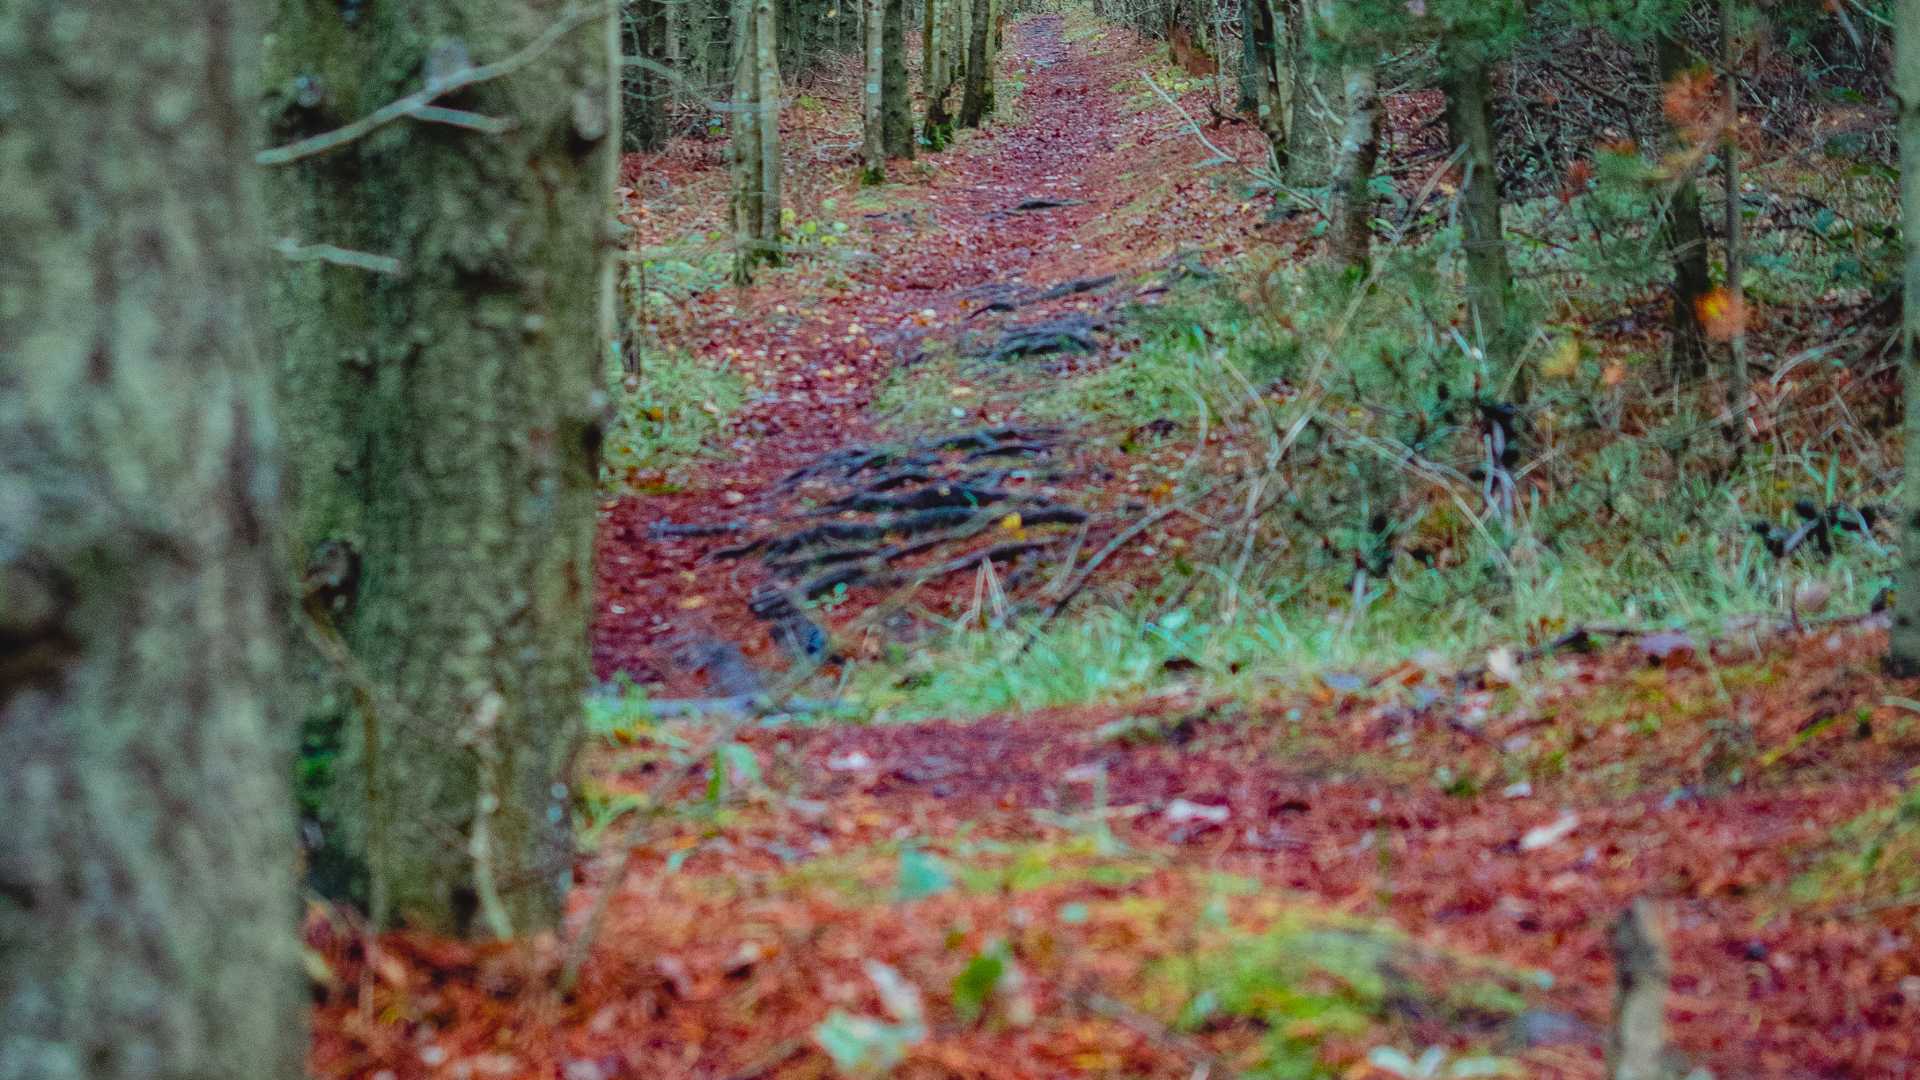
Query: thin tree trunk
1736,292
896,93
1903,657
148,906
644,45
933,50
1250,74
443,430
1685,234
1350,230
977,100
873,145
1470,126
748,195
939,70
1317,112
767,91
1272,88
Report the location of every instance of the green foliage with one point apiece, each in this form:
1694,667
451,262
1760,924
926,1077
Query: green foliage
668,414
988,972
1389,410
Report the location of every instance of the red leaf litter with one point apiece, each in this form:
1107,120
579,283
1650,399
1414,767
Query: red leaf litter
736,930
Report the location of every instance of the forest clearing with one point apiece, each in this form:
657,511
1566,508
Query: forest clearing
980,538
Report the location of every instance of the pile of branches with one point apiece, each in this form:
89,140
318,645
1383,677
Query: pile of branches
909,514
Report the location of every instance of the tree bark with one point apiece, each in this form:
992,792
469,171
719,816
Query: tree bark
1265,33
977,101
1350,230
756,167
443,428
896,93
749,199
644,49
1469,114
767,100
1903,658
873,144
147,895
939,71
1317,111
1250,64
1685,234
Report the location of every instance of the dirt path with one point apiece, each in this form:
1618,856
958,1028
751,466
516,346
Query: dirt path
818,354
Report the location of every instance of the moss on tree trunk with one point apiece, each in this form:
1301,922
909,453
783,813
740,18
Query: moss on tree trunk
443,425
147,900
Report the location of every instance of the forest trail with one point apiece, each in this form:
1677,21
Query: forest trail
1344,868
819,349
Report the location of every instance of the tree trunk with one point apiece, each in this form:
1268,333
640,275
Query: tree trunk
1248,102
767,99
977,100
756,140
443,429
1350,230
873,145
939,71
644,45
1903,659
896,93
749,250
147,897
1271,89
1685,234
1736,292
1469,114
1317,111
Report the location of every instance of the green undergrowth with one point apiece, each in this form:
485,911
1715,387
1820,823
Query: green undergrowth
1226,951
1365,421
1874,861
1303,975
667,414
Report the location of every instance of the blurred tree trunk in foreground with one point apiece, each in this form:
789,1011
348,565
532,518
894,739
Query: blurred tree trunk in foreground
147,895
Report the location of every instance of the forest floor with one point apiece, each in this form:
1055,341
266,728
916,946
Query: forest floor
1327,877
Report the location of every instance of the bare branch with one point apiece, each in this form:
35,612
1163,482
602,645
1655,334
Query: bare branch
294,251
428,94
